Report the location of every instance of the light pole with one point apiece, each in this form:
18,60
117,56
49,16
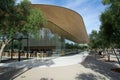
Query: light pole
19,37
27,44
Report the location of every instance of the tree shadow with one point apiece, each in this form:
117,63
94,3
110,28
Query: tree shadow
18,68
101,67
46,79
31,63
88,76
9,73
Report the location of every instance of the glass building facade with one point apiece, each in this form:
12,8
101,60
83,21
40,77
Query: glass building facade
47,41
62,24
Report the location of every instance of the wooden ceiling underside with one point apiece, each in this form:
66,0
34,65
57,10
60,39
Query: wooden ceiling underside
66,22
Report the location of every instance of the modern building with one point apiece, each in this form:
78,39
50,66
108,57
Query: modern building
62,23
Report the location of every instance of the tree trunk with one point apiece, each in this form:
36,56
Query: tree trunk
116,55
108,54
2,48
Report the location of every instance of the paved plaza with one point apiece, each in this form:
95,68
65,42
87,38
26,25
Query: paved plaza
80,66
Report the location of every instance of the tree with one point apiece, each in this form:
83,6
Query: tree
18,18
7,7
35,21
13,16
110,26
110,21
93,39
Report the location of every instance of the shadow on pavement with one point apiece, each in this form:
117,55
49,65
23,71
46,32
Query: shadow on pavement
10,73
46,79
100,67
89,76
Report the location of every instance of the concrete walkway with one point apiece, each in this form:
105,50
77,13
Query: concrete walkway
76,67
89,69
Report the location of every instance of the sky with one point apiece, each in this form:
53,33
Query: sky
90,10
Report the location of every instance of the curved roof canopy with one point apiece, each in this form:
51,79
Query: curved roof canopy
64,22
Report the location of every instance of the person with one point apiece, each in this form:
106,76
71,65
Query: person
100,53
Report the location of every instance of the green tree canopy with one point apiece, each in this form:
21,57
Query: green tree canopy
18,18
93,39
13,16
110,22
35,21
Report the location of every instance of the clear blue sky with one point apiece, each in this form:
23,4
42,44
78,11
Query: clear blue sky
90,10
